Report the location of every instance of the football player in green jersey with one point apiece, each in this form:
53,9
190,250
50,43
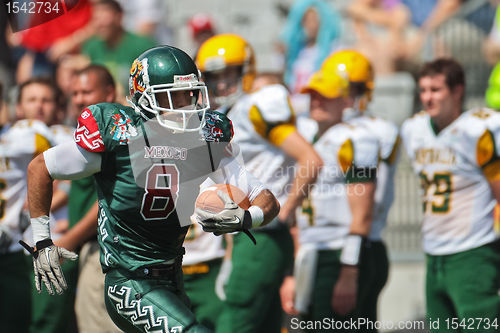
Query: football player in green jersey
149,162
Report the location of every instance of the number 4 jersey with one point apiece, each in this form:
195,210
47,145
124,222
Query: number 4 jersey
350,155
148,182
455,167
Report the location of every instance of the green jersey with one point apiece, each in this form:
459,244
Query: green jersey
148,182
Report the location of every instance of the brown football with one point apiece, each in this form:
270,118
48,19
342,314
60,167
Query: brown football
209,200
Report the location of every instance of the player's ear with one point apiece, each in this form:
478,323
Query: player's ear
458,92
110,94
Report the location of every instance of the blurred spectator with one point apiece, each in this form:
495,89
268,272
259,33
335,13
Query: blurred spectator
380,28
492,44
380,31
201,28
45,43
146,18
38,99
420,10
6,63
4,112
65,72
113,46
309,34
429,15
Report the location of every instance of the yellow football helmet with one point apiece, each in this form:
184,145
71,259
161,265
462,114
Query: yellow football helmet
328,83
225,51
358,69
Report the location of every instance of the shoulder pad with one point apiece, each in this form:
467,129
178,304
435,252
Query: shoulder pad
29,137
419,119
87,133
25,127
273,103
217,128
474,122
105,126
481,128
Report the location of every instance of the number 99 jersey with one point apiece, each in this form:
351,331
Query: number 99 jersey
455,167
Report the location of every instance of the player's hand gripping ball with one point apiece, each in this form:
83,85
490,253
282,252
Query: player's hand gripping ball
222,208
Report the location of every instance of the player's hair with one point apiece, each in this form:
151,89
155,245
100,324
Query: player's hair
113,4
1,93
104,76
45,81
450,68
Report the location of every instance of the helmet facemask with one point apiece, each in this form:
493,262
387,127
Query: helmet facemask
173,104
225,85
360,94
177,107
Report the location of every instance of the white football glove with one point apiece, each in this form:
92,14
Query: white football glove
232,218
47,258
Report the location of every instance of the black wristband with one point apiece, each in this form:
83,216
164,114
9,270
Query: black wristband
43,244
247,221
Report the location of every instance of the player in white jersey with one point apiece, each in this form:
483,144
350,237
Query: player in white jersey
361,83
455,155
335,220
18,146
264,127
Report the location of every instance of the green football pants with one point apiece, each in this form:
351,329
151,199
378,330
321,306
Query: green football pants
199,283
373,271
253,301
139,304
464,288
15,290
378,267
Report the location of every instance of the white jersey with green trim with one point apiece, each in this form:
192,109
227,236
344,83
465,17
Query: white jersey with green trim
262,121
18,146
388,138
455,167
325,216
